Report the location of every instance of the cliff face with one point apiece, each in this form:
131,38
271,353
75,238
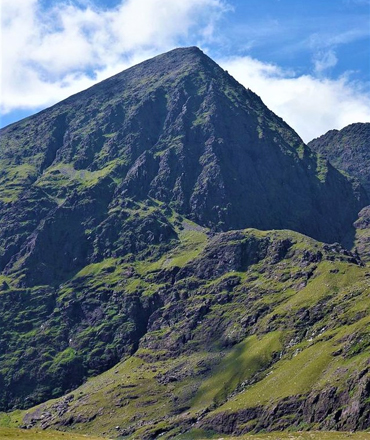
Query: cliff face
348,150
117,211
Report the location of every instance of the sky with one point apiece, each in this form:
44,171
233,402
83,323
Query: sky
309,60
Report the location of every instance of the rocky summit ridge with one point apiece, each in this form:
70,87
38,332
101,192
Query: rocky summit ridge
127,252
348,150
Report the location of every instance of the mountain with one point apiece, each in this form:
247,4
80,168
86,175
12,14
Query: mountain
180,130
127,258
348,150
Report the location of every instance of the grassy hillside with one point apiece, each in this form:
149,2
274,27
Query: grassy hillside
257,331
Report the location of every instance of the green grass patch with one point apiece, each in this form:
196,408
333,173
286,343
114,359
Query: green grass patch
109,264
241,364
192,244
289,377
14,179
193,240
331,278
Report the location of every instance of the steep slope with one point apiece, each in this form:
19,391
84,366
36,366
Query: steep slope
348,150
259,330
362,237
97,195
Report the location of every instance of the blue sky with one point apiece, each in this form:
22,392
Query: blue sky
292,33
308,60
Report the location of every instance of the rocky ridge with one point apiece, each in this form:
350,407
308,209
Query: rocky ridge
348,150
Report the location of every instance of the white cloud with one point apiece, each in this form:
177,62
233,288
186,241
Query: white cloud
324,60
324,46
48,54
310,105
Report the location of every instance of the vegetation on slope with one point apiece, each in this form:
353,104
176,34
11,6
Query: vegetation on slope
21,434
16,434
259,330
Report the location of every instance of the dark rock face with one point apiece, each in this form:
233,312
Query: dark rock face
362,239
348,150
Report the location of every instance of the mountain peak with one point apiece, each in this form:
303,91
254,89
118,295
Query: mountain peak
184,51
179,61
169,67
183,55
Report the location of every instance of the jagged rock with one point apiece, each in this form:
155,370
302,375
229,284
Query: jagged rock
348,150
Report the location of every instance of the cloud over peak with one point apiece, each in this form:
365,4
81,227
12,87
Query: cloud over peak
311,105
55,51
